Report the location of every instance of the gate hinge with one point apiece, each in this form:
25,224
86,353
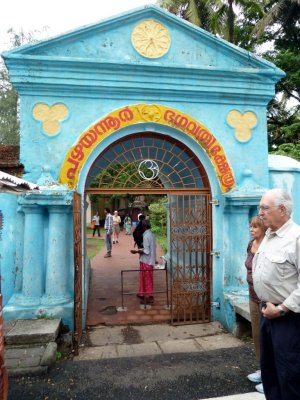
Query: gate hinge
215,253
215,202
216,304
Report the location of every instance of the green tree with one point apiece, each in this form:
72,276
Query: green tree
222,17
158,218
250,24
9,122
197,12
280,26
9,118
290,150
232,16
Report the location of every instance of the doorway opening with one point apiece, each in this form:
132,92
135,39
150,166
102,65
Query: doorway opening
115,281
133,173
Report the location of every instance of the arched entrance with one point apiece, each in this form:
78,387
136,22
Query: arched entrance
154,163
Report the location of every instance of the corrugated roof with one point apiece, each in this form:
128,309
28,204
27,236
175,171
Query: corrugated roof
10,183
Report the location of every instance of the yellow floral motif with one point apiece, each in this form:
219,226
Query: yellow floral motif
243,123
151,39
150,113
50,116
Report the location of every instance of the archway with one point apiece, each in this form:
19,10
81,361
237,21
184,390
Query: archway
153,163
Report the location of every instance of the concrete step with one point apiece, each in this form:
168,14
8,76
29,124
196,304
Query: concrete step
135,341
30,346
24,331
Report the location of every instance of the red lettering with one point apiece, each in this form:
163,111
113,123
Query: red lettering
108,123
227,180
214,151
169,116
192,127
219,159
211,143
205,136
88,139
223,168
99,129
126,114
72,171
181,121
77,152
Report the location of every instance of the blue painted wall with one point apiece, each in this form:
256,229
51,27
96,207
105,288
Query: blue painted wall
95,70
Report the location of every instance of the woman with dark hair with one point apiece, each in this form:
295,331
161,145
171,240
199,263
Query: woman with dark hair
147,261
257,231
138,233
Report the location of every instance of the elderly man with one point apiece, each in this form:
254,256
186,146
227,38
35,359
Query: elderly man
276,278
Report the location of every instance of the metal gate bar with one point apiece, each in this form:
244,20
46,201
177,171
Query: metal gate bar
190,247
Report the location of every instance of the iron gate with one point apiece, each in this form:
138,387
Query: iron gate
77,272
190,248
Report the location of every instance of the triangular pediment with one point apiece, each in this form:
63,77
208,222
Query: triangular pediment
145,36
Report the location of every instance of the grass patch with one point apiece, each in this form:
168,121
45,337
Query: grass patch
162,240
93,244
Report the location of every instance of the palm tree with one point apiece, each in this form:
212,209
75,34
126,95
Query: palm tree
216,16
276,11
198,12
224,18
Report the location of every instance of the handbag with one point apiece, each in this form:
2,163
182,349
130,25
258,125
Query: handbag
93,225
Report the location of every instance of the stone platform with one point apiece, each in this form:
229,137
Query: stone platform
30,345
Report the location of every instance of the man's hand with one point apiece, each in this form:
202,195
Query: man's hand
271,311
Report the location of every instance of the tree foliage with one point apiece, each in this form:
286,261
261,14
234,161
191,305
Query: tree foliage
158,218
281,26
251,24
9,122
221,17
9,118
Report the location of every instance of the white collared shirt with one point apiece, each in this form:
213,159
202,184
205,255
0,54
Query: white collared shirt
276,267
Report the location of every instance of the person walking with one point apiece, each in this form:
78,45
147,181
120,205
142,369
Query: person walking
96,220
147,256
116,227
108,227
257,232
127,225
276,279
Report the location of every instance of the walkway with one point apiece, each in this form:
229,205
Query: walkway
105,289
224,355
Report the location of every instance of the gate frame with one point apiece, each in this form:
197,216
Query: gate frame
169,193
77,237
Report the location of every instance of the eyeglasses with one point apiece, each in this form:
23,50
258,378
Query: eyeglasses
265,209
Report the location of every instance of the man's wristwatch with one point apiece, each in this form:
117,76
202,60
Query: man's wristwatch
282,312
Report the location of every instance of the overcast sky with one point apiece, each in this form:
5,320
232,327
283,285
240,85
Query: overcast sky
58,15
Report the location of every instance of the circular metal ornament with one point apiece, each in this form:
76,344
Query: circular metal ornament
151,39
151,166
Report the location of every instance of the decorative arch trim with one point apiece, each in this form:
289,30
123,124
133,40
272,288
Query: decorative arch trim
145,113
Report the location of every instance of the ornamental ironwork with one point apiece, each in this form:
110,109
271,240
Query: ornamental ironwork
147,160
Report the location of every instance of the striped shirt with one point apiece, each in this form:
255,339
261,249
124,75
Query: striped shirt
108,224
